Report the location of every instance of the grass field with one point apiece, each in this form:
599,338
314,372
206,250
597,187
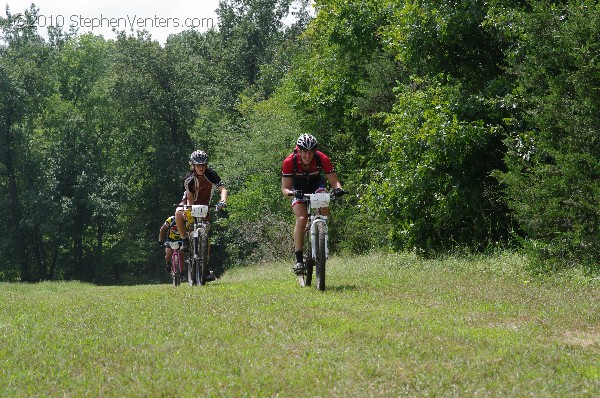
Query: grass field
386,326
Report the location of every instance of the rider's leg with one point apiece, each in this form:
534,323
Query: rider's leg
182,261
180,221
301,219
182,227
168,254
301,214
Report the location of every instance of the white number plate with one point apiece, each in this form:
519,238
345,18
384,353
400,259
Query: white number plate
199,211
174,245
319,200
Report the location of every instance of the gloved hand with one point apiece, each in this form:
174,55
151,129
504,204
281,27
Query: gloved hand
221,205
338,192
298,194
161,242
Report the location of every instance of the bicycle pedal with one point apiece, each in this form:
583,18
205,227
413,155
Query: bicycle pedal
299,270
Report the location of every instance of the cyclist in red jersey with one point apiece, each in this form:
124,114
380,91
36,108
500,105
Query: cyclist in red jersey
301,173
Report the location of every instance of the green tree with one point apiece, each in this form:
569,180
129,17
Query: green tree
24,57
11,113
436,186
443,137
156,100
71,139
245,127
340,82
554,168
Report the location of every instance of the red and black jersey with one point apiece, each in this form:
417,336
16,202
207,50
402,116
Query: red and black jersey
201,187
307,179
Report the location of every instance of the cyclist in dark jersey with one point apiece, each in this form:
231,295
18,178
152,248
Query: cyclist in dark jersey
302,173
199,184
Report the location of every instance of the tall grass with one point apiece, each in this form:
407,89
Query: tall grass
385,326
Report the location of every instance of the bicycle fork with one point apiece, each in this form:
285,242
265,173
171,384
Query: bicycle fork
313,235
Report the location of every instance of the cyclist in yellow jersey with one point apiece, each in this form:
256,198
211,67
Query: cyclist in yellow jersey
170,228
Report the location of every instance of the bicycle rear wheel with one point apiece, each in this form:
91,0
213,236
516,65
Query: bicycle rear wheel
320,257
203,259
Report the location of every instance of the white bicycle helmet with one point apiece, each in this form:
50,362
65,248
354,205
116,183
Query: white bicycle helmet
198,157
307,142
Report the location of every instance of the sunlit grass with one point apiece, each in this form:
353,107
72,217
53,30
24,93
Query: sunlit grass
385,326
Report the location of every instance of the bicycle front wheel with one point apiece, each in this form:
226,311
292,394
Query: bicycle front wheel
196,261
190,271
320,257
197,271
175,268
203,241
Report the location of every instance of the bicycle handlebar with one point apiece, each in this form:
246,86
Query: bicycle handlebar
331,195
173,244
200,211
190,206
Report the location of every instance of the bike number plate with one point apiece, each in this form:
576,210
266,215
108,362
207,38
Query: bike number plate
174,245
199,211
319,200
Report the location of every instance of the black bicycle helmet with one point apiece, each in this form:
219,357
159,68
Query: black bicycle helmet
198,157
307,142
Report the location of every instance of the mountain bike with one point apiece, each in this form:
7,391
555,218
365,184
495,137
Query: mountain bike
316,249
175,261
197,259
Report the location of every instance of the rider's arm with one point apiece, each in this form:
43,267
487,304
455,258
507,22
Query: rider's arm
286,186
329,171
287,171
188,186
332,178
212,176
163,228
188,199
223,192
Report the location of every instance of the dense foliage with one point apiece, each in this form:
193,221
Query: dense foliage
464,125
554,157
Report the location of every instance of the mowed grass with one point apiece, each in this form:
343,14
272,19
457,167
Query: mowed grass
386,326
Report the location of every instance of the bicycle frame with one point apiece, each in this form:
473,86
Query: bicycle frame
317,233
175,265
198,262
317,237
200,227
